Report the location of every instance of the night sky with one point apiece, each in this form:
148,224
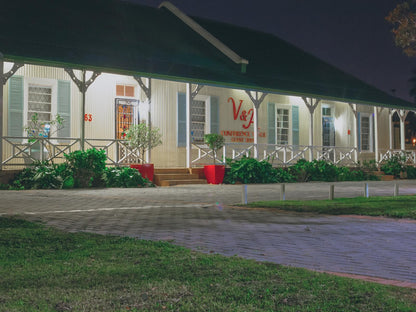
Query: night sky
352,35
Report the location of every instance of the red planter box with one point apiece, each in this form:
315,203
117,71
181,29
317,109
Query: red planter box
146,170
214,173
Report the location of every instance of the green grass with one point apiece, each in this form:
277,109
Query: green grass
394,207
43,269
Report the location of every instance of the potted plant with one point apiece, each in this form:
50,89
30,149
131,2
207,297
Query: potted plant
214,173
143,138
37,131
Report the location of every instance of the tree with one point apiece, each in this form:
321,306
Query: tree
403,19
412,81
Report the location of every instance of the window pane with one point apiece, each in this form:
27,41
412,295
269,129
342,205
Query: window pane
282,126
198,121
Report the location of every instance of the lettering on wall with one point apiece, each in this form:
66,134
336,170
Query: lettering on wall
246,116
241,136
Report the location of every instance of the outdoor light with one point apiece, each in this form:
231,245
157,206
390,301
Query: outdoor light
414,141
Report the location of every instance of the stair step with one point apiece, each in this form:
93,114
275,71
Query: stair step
172,170
181,182
176,176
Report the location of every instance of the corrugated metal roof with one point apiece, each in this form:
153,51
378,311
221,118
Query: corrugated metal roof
122,37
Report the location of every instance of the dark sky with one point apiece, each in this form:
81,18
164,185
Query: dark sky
351,34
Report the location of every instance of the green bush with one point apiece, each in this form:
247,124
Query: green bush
410,172
393,166
40,175
87,167
124,177
250,170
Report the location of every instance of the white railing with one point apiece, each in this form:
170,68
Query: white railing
22,151
408,156
279,155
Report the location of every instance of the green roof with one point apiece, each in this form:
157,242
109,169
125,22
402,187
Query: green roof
122,37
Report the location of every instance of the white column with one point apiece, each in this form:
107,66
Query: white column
311,134
256,137
390,129
402,134
376,134
356,133
188,124
1,108
149,117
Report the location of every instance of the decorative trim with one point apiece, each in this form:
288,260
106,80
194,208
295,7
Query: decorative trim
11,72
82,86
256,101
146,89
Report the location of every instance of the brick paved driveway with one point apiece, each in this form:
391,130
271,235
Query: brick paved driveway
199,217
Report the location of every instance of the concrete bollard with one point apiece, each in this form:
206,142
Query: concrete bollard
244,195
396,190
331,191
366,190
282,191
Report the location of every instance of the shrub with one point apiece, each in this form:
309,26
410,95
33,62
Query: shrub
250,170
87,167
124,177
393,166
301,171
410,172
40,175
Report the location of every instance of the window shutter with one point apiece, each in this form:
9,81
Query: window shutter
359,131
181,130
295,125
215,115
271,116
15,108
64,108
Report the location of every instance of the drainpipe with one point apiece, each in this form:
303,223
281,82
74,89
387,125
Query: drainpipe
1,108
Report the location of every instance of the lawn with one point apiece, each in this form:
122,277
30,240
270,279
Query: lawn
394,207
43,269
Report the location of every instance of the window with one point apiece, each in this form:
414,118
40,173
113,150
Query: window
282,126
46,97
125,90
198,121
40,102
204,118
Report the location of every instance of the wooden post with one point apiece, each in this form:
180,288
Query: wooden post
244,195
396,190
282,191
366,190
331,191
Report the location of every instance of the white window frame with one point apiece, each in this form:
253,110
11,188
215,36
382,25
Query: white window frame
371,132
207,100
289,136
49,83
